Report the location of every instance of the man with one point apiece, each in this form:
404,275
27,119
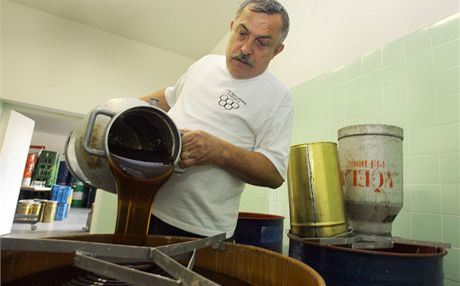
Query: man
235,118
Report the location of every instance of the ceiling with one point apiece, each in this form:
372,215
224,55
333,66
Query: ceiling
190,28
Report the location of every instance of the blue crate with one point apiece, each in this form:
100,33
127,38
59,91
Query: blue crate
61,193
61,211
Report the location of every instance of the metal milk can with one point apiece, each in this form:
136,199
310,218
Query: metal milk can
131,133
316,202
371,160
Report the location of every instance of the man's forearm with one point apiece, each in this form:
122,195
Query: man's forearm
252,167
202,148
160,96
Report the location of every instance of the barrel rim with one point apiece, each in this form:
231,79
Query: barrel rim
440,251
259,216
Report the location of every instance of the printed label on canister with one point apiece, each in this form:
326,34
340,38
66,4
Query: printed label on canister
371,167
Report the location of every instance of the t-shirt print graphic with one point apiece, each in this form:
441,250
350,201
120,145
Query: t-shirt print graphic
230,100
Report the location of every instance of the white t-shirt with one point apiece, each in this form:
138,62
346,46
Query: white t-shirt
254,114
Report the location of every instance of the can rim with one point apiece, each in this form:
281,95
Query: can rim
312,143
371,129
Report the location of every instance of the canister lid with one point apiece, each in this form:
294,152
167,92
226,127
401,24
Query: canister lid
371,129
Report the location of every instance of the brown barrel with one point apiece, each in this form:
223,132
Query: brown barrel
248,264
316,203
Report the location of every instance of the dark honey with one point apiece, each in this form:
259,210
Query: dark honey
140,160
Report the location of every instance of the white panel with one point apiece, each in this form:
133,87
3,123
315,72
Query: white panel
15,136
104,215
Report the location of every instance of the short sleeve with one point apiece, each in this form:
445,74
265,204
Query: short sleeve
274,140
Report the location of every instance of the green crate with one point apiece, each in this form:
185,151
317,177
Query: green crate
47,167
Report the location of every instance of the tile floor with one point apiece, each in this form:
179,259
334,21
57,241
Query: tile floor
75,223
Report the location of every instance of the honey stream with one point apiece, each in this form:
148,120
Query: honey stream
135,198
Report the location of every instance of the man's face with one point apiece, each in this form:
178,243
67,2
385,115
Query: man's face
254,41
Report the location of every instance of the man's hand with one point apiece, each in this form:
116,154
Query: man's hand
202,148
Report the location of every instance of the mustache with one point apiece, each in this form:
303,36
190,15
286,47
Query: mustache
246,59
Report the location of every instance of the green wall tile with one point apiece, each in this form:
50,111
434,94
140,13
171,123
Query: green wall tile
322,98
353,70
337,113
420,89
446,56
419,64
448,109
445,30
450,199
407,198
449,168
394,96
448,282
451,230
393,74
414,83
371,104
353,89
337,94
424,170
422,114
426,226
402,225
396,117
449,138
423,141
372,61
337,76
418,41
372,119
393,52
447,82
353,109
452,265
426,199
371,82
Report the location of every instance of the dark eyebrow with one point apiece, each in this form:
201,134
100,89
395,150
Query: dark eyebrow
258,37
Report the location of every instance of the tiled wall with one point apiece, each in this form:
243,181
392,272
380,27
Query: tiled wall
413,83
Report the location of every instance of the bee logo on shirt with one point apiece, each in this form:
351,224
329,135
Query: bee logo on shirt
230,101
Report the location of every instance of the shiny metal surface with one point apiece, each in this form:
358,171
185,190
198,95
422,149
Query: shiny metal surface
86,149
315,191
371,162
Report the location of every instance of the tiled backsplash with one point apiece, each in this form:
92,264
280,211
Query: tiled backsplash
412,83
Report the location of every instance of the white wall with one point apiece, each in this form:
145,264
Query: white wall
49,61
329,33
64,67
15,135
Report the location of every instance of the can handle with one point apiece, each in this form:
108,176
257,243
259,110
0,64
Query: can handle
89,132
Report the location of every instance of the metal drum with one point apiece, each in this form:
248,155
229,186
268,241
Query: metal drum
403,264
262,230
371,159
316,202
137,136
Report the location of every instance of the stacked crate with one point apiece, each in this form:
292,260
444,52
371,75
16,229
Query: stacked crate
63,195
46,168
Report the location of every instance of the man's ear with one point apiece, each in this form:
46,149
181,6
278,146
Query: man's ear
279,49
